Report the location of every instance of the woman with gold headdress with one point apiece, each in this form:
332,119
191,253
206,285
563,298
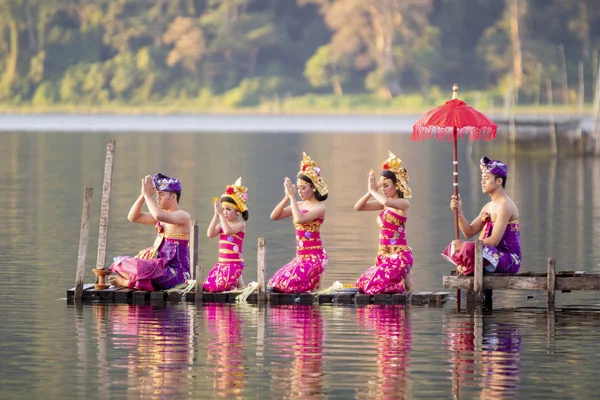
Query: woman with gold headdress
391,272
227,272
304,272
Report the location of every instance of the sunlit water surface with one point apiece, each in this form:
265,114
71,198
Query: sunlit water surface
51,350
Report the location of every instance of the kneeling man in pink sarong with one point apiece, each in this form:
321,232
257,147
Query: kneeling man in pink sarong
167,263
498,223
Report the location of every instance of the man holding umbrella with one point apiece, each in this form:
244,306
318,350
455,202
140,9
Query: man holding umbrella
498,223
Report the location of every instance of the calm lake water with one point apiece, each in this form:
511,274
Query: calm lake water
52,350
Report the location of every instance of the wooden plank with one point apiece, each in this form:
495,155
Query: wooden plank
90,294
582,282
362,299
438,297
381,298
478,276
174,296
345,298
401,298
457,282
232,296
123,295
551,279
105,205
158,296
261,268
106,295
71,292
508,282
84,234
420,298
219,297
326,298
287,298
306,298
140,296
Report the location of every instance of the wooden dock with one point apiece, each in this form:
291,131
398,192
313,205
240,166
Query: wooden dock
480,286
132,296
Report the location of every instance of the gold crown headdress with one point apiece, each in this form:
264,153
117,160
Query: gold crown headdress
310,169
394,164
238,193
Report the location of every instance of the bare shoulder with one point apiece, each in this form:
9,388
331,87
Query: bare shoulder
487,207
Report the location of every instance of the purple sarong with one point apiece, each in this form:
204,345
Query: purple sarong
159,267
505,258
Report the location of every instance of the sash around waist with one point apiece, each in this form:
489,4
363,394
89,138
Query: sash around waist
308,235
393,242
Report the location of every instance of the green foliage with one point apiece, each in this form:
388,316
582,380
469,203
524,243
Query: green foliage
246,53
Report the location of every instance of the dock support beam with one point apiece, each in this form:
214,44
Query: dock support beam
261,267
551,283
478,279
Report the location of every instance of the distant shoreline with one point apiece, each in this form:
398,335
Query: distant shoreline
242,121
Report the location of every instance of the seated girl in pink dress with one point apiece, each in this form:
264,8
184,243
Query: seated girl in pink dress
227,272
303,273
391,272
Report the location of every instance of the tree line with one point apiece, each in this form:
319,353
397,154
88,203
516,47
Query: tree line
239,51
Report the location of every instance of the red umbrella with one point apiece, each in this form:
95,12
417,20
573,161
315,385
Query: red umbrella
451,120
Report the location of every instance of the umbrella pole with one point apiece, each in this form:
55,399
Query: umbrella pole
455,163
455,184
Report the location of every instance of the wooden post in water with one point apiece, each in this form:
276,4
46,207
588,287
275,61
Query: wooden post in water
551,283
261,267
478,276
596,132
105,206
553,149
84,235
565,89
514,95
194,261
580,101
195,267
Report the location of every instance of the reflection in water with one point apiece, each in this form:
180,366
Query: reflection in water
302,326
157,346
225,353
392,327
485,355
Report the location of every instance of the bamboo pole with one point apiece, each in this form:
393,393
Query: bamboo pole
194,259
580,100
105,205
551,283
565,83
84,235
513,129
553,148
261,267
597,114
195,266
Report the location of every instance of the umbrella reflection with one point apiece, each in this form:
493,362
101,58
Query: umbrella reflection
488,358
225,355
157,342
299,337
392,327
